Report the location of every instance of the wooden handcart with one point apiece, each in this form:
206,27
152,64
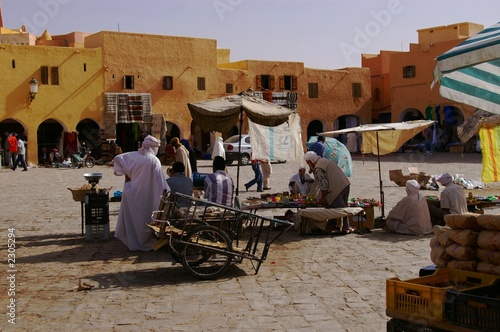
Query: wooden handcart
206,238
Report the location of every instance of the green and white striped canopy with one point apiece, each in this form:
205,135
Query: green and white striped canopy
470,72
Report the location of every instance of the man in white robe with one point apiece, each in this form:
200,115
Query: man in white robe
219,148
300,183
142,191
411,214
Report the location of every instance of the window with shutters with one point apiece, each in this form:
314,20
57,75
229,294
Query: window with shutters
54,75
312,90
229,88
201,83
168,83
44,75
408,71
128,82
265,82
356,90
288,83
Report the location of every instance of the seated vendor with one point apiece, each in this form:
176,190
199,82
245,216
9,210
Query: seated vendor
452,200
180,183
300,183
411,214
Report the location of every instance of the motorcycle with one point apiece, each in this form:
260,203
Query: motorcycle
83,158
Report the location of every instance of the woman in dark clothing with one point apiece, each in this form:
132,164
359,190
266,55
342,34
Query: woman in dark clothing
192,155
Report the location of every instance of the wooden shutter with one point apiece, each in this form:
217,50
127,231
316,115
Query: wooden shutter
258,82
272,83
294,83
44,75
282,83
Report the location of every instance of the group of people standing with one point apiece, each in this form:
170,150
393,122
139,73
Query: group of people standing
17,151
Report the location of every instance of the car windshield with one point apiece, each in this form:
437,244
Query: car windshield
232,139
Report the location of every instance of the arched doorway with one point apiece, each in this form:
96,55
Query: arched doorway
8,126
50,135
314,128
411,114
172,130
89,134
200,140
447,118
348,121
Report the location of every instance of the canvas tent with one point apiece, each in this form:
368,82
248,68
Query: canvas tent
470,72
222,114
384,138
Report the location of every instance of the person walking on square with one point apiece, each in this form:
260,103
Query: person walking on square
257,178
21,150
12,149
266,173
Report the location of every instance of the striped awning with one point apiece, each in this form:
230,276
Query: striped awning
470,72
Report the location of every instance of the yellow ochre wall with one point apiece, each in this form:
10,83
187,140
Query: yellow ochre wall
78,95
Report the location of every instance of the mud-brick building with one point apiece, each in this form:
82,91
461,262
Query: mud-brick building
401,81
115,85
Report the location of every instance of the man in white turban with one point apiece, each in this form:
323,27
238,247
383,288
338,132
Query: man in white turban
142,191
300,182
331,184
411,214
452,200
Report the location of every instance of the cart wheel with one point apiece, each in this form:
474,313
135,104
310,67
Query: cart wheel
199,259
90,162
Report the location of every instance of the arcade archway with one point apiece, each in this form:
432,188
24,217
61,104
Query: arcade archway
314,128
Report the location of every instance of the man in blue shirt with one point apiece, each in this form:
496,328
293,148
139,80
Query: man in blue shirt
319,146
180,183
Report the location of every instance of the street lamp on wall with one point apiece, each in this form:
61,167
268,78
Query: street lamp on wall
33,89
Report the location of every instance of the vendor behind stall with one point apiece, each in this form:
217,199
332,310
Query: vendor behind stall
452,200
411,214
332,184
300,183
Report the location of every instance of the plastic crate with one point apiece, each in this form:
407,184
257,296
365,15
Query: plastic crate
96,232
396,325
478,309
96,209
425,297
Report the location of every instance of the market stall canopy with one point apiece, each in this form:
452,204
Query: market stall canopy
222,114
335,151
470,72
384,138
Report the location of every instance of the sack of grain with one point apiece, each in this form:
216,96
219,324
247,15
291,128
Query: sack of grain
464,237
461,252
489,240
489,256
489,221
470,265
463,221
439,256
444,239
488,268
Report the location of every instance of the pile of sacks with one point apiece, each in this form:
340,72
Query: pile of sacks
468,242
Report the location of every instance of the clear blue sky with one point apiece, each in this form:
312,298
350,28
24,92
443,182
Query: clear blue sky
327,34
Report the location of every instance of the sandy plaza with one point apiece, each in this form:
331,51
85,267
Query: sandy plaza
307,283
